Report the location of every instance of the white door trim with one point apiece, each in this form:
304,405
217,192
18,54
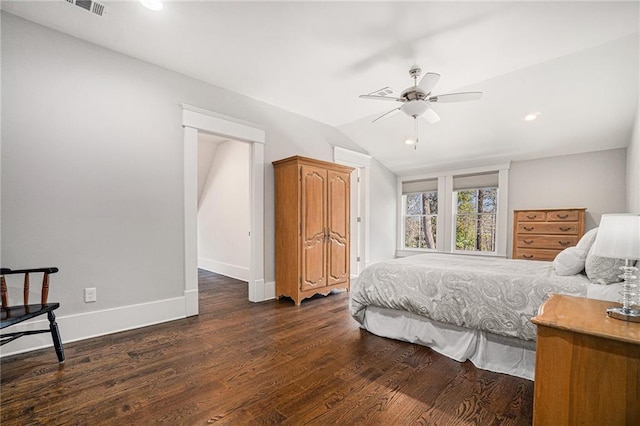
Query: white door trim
363,162
193,120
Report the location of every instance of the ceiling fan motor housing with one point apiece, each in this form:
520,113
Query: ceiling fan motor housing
414,93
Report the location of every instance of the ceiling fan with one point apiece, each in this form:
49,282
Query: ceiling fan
417,99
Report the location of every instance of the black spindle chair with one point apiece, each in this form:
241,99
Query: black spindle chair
12,315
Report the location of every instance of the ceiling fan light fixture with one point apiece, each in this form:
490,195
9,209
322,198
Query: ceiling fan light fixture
532,116
415,108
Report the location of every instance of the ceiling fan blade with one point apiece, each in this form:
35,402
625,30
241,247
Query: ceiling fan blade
429,81
387,113
431,116
382,98
456,97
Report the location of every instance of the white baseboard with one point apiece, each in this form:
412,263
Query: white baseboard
234,271
261,291
191,302
270,290
98,323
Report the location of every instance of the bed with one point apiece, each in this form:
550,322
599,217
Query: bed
466,307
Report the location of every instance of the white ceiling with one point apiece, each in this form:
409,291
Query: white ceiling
574,62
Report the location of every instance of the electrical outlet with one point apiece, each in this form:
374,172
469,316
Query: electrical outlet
90,295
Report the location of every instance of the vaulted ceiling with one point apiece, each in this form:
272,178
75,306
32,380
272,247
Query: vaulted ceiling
574,63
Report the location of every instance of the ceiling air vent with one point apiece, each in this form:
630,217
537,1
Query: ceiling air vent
90,5
385,91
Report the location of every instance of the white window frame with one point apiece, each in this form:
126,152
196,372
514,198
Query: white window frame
454,219
445,242
404,215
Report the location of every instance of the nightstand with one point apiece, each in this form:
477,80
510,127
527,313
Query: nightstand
587,365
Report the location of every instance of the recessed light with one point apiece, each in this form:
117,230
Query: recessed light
532,116
152,4
410,141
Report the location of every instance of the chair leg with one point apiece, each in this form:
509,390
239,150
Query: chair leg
55,335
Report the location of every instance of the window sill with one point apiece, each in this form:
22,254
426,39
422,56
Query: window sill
409,252
479,253
413,252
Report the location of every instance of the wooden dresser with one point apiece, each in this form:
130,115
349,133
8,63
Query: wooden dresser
587,365
312,227
542,234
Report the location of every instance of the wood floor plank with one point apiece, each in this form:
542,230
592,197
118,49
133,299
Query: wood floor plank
255,363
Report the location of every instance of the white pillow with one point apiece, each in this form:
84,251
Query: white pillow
570,261
602,270
587,240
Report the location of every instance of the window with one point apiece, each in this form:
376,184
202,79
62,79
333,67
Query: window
420,214
459,211
475,219
475,201
421,220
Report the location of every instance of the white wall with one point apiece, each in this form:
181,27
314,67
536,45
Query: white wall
633,169
206,153
224,218
382,213
92,174
594,180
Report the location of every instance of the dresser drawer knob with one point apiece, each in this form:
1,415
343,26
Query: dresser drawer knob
532,216
528,228
564,243
565,229
527,256
563,216
528,241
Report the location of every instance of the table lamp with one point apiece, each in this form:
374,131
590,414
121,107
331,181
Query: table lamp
619,238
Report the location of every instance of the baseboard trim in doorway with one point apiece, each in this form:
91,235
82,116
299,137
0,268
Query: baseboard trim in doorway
234,271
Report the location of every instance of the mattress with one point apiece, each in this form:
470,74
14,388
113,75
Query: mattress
465,307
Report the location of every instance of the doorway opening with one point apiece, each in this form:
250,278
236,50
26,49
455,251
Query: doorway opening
224,206
195,120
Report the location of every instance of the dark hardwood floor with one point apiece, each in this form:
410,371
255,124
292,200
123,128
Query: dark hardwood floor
256,363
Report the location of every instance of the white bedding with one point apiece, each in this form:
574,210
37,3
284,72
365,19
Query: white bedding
485,350
465,307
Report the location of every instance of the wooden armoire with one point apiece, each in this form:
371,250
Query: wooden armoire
312,227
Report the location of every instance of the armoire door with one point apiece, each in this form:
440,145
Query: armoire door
313,198
338,227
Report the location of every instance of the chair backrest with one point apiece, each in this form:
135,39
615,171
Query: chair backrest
25,288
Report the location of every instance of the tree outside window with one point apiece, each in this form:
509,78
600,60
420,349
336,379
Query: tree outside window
476,219
420,220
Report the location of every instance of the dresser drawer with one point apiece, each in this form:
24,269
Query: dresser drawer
535,254
569,228
540,234
547,241
531,216
563,216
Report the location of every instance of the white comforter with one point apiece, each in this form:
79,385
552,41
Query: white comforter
490,294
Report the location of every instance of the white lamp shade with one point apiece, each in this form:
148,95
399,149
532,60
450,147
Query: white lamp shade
415,108
618,236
